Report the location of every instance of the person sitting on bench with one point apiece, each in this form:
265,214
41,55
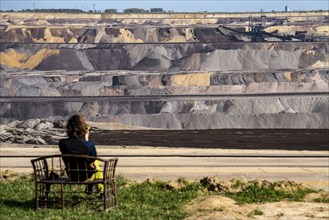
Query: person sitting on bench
78,143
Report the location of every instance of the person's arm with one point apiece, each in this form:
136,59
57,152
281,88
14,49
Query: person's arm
87,135
61,146
92,152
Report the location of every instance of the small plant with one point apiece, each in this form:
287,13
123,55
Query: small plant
322,199
203,210
182,181
280,214
220,209
205,182
121,181
255,212
211,184
238,183
8,175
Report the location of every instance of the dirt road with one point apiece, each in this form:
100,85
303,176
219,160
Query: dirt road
141,163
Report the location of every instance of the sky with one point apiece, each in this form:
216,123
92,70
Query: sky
175,5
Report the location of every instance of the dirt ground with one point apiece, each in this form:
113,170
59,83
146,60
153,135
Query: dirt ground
223,208
220,207
284,139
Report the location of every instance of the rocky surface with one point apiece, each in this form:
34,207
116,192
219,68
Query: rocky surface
146,34
188,113
33,131
111,83
255,113
164,55
153,28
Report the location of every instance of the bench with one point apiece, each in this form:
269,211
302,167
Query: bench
63,180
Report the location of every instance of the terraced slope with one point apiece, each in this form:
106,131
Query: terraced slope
183,72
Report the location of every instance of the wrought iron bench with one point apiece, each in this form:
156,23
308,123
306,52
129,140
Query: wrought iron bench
63,180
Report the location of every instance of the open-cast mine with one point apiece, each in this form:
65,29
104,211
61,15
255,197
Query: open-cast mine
167,71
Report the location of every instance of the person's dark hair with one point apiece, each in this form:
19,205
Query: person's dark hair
77,126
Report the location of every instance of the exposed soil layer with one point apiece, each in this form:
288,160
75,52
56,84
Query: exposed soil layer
64,55
275,56
287,139
186,112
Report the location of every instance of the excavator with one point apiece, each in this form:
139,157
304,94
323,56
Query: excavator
257,32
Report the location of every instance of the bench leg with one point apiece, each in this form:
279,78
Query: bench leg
105,197
115,193
47,193
62,195
36,196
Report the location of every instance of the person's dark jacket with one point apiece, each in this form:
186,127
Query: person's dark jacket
78,146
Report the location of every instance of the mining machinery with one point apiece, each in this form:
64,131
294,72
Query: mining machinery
257,33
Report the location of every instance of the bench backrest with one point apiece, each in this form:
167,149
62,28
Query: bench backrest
77,168
74,167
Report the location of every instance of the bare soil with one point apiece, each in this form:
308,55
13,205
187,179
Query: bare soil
220,207
283,139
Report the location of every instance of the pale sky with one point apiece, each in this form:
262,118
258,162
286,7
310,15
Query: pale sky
175,5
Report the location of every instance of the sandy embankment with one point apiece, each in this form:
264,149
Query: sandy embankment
220,207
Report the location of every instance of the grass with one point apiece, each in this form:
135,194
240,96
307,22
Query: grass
147,200
270,192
